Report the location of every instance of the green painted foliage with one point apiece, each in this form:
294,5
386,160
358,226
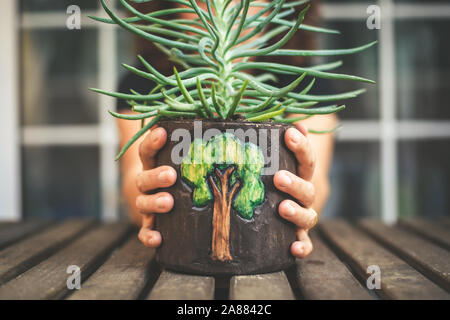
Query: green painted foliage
213,53
221,152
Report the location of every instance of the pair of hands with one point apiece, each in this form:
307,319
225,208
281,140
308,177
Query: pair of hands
300,187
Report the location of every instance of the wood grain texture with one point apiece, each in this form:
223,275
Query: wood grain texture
428,258
398,279
48,280
14,232
176,286
123,276
269,286
437,233
21,256
322,276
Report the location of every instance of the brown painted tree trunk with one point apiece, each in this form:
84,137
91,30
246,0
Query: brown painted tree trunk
220,245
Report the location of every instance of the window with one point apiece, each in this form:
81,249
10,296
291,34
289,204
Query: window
391,157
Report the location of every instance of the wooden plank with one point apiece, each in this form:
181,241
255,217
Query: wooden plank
48,280
18,231
428,258
322,276
176,286
269,286
398,279
23,255
432,231
122,277
445,222
6,224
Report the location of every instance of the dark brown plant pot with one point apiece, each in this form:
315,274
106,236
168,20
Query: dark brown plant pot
216,238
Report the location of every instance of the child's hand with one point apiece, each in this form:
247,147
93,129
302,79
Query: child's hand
149,179
301,188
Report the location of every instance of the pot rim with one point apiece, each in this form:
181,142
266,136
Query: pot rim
236,122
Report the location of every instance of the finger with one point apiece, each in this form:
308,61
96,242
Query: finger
301,217
299,144
154,203
150,238
161,177
151,144
303,130
299,188
303,247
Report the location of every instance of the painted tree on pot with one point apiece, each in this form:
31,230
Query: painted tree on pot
232,170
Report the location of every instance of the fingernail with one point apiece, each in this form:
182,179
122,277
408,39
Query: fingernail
295,137
161,202
290,210
300,249
163,176
285,180
155,135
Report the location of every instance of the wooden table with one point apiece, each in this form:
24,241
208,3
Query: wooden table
413,258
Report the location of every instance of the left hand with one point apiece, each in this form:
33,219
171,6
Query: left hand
301,188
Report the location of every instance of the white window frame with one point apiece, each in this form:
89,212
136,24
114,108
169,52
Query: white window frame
104,133
387,130
10,192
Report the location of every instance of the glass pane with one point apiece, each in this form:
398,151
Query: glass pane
61,182
355,181
424,178
56,5
364,64
58,67
423,69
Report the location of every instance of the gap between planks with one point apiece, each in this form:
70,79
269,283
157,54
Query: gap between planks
176,286
431,260
48,279
23,255
269,286
398,279
430,230
124,276
13,232
323,276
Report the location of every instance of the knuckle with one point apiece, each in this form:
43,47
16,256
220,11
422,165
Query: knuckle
140,181
309,192
143,148
310,163
142,203
141,235
138,202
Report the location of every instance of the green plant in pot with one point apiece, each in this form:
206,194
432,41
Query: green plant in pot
225,126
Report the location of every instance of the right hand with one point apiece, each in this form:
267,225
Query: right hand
149,179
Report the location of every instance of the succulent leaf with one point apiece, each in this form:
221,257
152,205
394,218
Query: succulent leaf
214,53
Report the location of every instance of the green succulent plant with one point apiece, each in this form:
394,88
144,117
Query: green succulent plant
215,50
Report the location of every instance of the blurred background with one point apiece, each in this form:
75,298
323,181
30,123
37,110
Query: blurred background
392,157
